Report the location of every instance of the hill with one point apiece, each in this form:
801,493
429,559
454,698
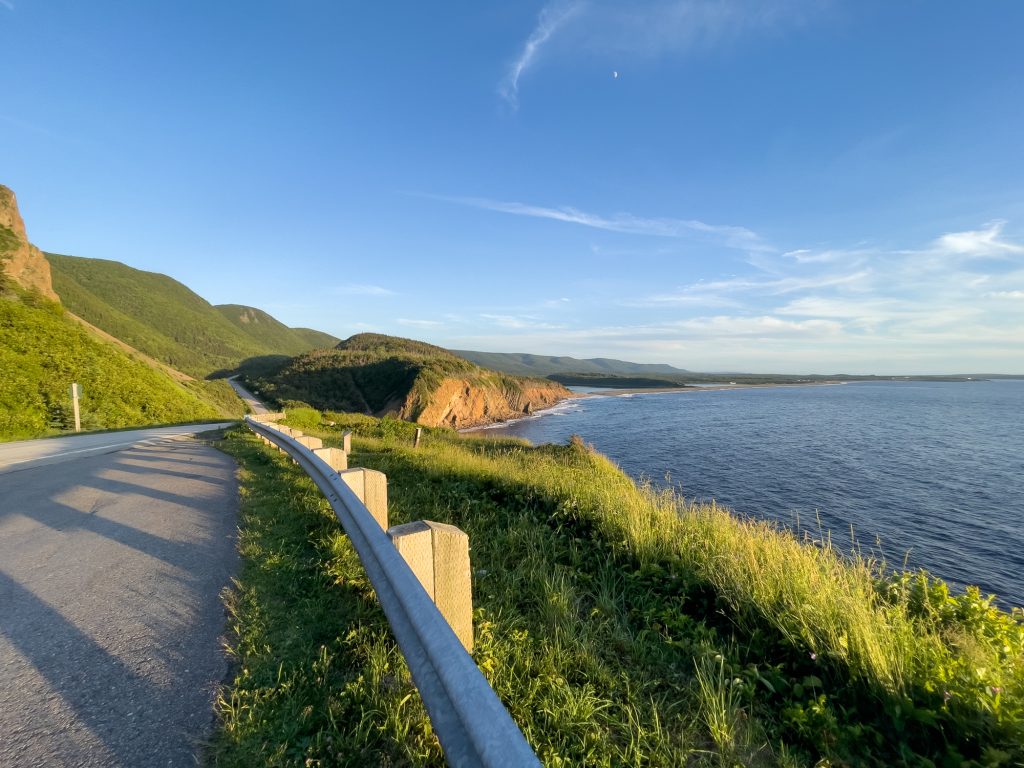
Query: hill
164,319
379,375
271,333
524,364
44,348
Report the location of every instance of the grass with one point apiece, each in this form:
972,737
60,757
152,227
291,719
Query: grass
621,625
42,352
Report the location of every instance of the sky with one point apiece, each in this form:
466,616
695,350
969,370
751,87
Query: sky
794,186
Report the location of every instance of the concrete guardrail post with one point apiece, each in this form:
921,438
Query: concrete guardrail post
371,487
346,441
418,437
310,442
439,556
336,458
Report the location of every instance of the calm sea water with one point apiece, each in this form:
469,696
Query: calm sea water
930,471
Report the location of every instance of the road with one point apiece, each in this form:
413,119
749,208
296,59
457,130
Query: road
114,550
250,399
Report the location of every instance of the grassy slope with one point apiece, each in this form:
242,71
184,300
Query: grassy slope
42,352
164,319
152,312
370,372
522,364
271,333
620,625
316,339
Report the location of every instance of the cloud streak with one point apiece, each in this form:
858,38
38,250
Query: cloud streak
979,242
649,28
955,304
736,237
357,289
552,17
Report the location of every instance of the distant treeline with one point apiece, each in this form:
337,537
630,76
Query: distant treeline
613,382
680,380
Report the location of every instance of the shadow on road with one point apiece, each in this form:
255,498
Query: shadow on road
111,569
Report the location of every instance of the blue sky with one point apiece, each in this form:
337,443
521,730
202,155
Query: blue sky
779,185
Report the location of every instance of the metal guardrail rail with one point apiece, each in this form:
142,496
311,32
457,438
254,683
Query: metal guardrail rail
470,721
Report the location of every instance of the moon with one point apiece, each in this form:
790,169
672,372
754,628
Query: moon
615,74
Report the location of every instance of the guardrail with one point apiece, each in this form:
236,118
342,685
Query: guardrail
470,721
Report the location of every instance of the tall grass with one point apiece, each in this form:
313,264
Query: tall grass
624,625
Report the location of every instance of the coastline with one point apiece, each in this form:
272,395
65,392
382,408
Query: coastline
713,388
482,428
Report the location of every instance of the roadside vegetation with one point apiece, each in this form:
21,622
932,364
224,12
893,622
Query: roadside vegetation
42,352
620,624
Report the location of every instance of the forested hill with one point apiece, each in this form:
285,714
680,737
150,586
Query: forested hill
376,374
164,319
524,364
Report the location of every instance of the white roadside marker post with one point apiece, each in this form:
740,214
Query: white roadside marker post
76,392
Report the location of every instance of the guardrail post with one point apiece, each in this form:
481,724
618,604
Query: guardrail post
346,441
371,487
416,439
336,458
310,442
439,556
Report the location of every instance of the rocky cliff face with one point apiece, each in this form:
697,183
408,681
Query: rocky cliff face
462,403
19,260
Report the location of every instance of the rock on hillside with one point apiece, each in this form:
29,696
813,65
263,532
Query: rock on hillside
468,402
19,260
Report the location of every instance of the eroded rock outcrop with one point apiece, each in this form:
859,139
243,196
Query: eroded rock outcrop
459,402
21,261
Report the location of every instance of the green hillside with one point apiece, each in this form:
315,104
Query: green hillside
271,333
316,339
164,319
376,374
42,352
365,373
523,364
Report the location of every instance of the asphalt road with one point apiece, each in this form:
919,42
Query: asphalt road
112,561
250,399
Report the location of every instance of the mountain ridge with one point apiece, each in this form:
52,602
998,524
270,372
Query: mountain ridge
528,364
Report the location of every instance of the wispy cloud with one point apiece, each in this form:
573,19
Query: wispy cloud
731,236
358,289
520,322
8,4
649,28
979,242
416,323
726,291
956,303
551,18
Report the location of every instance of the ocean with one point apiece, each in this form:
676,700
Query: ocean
930,474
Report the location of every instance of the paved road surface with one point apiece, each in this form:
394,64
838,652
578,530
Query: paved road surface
31,453
111,567
250,399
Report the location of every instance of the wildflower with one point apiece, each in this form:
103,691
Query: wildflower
814,656
946,696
